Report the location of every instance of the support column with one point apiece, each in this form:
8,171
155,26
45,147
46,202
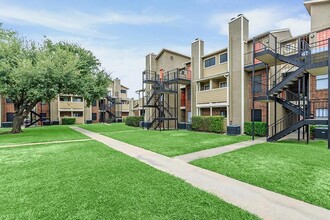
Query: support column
328,92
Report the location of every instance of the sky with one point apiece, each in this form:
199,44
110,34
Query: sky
121,33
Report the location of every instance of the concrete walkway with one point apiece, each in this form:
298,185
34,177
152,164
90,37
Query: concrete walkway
263,203
42,143
218,150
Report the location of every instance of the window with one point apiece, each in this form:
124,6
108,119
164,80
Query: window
223,58
209,62
77,99
94,103
222,84
257,84
43,115
65,98
321,113
207,87
8,100
188,94
123,91
94,116
257,115
77,114
322,82
10,116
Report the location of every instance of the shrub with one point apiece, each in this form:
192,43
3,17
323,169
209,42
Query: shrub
260,128
68,121
208,123
133,120
312,131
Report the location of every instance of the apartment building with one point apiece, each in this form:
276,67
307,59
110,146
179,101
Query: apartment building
113,107
237,82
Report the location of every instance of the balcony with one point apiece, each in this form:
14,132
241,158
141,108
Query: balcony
125,107
212,96
64,105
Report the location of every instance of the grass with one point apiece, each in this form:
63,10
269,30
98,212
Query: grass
87,180
39,134
291,168
169,143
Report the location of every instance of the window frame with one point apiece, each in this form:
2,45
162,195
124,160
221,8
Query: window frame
223,82
215,61
206,85
324,78
324,112
226,58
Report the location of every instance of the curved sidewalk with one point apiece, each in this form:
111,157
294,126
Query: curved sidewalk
263,203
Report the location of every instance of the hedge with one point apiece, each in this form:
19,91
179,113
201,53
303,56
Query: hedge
208,123
68,121
260,128
133,120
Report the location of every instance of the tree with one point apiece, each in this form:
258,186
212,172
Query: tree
31,73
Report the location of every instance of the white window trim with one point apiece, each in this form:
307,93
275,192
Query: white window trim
223,87
205,86
220,60
215,63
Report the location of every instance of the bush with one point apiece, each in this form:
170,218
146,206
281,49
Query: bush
312,131
68,121
208,123
260,128
133,120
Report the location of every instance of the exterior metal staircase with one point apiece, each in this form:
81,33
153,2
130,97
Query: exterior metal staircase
163,97
279,85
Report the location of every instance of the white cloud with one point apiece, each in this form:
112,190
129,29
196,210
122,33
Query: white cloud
74,21
265,19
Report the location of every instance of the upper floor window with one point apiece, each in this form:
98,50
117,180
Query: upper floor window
257,84
94,103
8,100
321,113
65,98
123,91
209,62
77,99
207,87
223,58
322,82
222,84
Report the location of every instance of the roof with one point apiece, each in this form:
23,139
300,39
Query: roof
215,52
271,32
124,87
170,51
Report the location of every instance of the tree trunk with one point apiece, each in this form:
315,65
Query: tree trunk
17,124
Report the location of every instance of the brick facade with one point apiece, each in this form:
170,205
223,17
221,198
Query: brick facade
259,105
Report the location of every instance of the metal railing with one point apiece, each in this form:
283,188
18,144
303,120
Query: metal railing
283,123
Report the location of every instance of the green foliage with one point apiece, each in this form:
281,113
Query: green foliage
68,121
31,72
312,130
260,128
291,168
133,120
208,123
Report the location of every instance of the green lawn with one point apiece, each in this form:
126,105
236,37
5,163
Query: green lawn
88,180
169,143
294,169
40,134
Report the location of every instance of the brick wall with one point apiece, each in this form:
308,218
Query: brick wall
205,111
258,105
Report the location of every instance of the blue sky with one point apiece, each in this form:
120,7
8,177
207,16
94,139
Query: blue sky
121,32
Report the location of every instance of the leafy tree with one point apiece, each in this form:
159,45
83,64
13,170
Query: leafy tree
31,73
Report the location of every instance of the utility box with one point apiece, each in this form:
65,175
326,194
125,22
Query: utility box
182,125
233,130
321,133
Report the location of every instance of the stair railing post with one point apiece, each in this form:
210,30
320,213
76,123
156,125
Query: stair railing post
253,89
299,93
328,92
